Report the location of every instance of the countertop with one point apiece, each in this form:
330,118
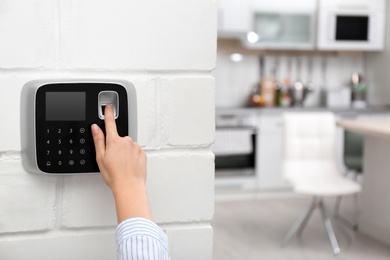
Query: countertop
378,128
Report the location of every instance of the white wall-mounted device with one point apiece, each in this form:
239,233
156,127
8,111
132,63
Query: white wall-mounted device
56,119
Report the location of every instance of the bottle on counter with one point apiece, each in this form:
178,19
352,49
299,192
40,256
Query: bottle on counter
358,91
278,93
268,91
255,99
285,94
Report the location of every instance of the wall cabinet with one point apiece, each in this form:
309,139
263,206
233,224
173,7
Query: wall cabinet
325,25
283,26
233,18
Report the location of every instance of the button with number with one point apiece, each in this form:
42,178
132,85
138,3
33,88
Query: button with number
71,141
70,151
60,163
59,130
59,141
59,152
71,130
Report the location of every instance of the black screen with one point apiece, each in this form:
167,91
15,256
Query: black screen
65,106
352,28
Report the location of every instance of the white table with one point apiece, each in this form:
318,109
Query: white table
375,200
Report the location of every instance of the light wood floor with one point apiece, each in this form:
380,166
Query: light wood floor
252,229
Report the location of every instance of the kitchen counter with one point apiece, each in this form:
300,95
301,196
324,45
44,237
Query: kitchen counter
374,219
378,128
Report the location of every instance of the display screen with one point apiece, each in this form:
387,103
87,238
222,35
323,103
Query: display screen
352,28
65,106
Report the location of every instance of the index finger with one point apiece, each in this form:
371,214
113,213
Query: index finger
109,121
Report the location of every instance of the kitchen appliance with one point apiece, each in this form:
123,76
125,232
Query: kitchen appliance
282,25
351,25
339,98
56,117
235,144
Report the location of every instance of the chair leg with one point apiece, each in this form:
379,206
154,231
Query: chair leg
307,216
329,229
300,224
337,206
340,218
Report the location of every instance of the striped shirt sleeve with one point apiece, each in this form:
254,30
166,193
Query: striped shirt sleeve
141,239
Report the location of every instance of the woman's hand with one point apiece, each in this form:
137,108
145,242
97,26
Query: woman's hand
122,164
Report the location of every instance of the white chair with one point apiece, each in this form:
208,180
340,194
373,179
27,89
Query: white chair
310,165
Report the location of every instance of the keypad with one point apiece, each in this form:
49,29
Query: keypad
65,148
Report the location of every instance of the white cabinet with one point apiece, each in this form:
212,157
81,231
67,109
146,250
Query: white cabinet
282,24
233,18
269,152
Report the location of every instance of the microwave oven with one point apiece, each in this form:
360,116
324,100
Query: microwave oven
351,25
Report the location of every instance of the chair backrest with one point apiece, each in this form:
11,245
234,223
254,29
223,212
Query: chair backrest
309,136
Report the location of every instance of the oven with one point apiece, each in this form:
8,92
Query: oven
235,144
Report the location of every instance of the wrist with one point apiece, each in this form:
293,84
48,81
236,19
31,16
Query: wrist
126,184
131,201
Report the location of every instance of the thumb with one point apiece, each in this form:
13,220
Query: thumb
99,140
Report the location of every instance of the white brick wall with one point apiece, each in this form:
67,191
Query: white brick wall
167,50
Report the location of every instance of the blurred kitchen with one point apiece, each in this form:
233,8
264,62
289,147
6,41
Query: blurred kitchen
306,58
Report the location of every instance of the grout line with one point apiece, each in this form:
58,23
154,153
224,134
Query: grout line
80,72
182,151
17,236
186,225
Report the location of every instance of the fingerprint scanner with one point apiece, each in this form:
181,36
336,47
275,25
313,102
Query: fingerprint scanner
108,98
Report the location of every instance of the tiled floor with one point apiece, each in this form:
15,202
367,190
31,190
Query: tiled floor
252,229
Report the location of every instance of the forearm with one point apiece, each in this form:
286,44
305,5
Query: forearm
131,202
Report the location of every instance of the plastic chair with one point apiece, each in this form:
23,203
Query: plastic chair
310,165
